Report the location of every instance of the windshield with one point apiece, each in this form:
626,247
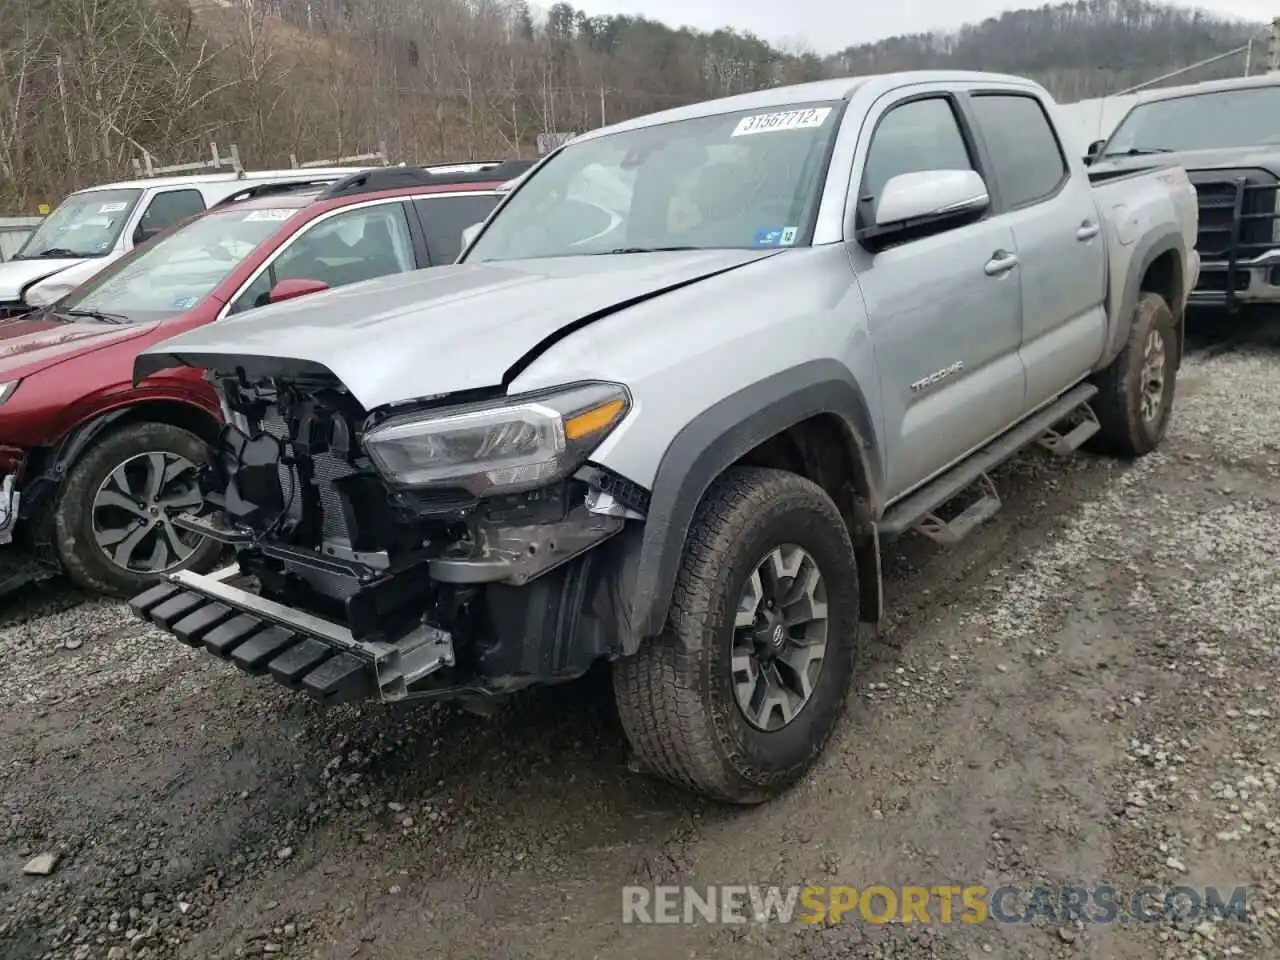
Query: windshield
172,274
82,225
736,180
1206,121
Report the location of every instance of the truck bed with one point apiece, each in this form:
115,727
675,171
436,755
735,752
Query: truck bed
1129,203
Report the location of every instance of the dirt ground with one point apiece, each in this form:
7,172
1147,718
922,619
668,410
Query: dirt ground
1084,692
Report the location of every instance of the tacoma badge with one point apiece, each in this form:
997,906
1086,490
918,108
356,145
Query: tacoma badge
936,377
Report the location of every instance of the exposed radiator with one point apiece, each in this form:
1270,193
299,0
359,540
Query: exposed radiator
326,469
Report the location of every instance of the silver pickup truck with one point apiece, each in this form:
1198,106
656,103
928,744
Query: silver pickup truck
684,382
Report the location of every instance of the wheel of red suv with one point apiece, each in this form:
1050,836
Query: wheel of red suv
114,520
1135,393
739,695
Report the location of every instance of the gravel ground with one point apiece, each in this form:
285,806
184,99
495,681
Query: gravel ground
1084,692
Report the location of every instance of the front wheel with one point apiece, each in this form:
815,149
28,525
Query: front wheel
114,517
1135,393
738,696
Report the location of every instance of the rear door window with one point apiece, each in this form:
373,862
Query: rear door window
444,219
1025,155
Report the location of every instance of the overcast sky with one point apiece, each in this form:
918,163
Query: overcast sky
830,25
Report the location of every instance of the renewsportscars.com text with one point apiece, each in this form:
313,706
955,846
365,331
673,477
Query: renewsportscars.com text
945,904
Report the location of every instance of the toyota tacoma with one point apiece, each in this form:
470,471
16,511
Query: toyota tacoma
682,384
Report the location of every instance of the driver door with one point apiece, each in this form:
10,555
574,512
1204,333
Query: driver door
944,310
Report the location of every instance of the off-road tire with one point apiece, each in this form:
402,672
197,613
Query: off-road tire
674,696
78,552
1118,404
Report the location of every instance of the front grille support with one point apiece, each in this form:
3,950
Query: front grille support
1230,245
321,658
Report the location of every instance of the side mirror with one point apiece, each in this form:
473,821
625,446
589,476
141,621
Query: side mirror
295,287
469,234
925,198
1095,148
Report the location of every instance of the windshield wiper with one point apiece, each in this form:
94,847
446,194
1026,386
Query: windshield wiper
1137,151
95,315
53,252
600,253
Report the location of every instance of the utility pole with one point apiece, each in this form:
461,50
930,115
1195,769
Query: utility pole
1273,50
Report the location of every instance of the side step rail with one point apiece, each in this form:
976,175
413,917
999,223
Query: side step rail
1081,424
950,532
919,510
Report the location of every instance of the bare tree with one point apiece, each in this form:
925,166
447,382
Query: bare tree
86,85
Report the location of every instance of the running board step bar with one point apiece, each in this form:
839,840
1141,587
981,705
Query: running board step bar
1079,425
950,532
318,657
919,510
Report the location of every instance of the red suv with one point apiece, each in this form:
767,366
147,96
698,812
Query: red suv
93,469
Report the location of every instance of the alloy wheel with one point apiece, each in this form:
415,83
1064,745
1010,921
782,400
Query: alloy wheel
134,509
779,637
1152,377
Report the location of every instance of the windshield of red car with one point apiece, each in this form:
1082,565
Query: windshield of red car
173,274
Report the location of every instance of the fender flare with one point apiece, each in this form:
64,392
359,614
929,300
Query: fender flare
65,452
714,440
1148,248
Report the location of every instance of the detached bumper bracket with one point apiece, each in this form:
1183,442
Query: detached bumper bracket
258,636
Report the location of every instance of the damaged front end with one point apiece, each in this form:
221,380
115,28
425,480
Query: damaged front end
439,550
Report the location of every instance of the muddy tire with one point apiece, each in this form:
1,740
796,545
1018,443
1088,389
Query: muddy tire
729,700
112,519
1135,393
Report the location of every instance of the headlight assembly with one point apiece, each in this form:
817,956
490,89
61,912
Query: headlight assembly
518,444
6,390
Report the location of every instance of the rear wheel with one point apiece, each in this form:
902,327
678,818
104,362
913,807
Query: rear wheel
114,519
1135,393
739,695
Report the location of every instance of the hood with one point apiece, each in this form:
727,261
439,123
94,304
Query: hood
17,275
441,330
57,286
1215,158
29,345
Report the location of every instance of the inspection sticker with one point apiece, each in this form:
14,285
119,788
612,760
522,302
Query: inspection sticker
775,237
257,215
112,207
787,120
185,303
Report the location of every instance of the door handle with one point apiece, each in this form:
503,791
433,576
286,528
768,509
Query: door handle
1002,261
1088,230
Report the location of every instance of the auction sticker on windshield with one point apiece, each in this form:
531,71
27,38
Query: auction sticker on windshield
278,214
112,207
787,120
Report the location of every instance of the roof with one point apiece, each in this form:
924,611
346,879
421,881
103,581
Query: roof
1211,86
294,200
463,179
248,176
777,97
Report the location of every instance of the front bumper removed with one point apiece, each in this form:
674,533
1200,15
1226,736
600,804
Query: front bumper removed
318,657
